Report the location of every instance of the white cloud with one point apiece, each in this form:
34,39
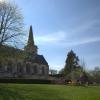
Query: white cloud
62,38
68,39
57,67
51,38
82,41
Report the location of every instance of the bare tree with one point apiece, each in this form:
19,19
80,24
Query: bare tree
11,22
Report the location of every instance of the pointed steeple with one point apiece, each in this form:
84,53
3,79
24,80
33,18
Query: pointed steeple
30,38
31,47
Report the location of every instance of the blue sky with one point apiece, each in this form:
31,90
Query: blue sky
62,25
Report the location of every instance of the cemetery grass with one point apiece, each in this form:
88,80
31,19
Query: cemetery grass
48,92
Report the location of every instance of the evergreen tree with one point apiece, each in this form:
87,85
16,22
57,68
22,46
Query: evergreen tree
72,62
72,69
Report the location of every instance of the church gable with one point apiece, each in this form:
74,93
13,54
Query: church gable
40,60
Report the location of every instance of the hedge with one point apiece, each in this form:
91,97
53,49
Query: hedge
26,81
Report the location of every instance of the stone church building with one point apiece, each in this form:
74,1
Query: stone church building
27,63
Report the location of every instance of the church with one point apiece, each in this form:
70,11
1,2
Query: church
27,63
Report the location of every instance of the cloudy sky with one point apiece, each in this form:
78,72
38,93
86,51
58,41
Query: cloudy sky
62,25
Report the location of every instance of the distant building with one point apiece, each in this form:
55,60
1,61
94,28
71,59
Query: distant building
52,72
27,63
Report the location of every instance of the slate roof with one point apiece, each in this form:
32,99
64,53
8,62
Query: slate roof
40,60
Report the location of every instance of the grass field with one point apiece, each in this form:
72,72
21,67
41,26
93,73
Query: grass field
48,92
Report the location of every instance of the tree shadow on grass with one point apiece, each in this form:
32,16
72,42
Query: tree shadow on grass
7,94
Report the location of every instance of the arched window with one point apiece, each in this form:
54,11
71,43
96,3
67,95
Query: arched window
43,70
19,68
28,70
35,69
9,66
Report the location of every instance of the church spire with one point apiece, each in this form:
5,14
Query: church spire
31,47
30,38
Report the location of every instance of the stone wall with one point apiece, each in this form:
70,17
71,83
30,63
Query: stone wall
23,70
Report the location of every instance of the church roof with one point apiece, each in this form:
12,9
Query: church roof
9,52
40,60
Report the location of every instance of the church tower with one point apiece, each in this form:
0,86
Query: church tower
31,48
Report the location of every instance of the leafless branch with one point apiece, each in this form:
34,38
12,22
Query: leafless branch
11,21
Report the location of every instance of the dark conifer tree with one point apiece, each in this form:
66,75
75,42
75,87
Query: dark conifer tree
71,63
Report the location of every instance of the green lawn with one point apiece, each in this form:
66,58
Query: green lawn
48,92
